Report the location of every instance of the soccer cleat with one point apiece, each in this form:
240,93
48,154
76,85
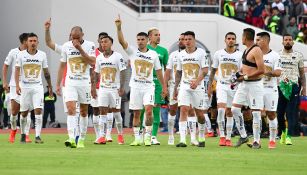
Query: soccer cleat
256,145
272,144
194,143
154,141
80,143
201,144
23,139
210,134
288,140
147,141
241,141
181,144
283,138
70,143
109,138
171,140
136,143
12,136
38,140
28,140
120,139
101,140
228,143
222,141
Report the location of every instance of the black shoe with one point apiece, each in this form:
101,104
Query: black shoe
201,144
38,140
241,141
181,145
23,139
256,145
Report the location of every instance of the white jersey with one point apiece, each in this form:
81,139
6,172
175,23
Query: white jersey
58,48
109,69
191,64
172,65
31,68
78,71
142,66
227,64
11,60
272,62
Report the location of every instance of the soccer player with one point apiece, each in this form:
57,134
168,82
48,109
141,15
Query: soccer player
143,62
272,64
11,88
192,67
250,91
79,55
292,77
227,62
111,68
29,66
169,80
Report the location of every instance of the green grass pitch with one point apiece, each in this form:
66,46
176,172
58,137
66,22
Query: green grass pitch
54,158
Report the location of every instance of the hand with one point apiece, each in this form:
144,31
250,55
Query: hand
6,87
303,92
118,22
50,91
77,44
58,90
164,92
240,79
193,84
18,90
48,24
94,92
209,92
121,92
175,94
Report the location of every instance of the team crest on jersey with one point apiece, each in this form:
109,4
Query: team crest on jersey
143,68
77,65
190,70
228,69
108,75
31,71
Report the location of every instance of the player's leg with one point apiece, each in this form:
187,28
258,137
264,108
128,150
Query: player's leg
171,116
148,102
110,118
38,104
94,104
192,120
15,106
156,112
116,104
71,97
25,104
200,104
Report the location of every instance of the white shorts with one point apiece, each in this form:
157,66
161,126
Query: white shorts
224,94
171,95
81,94
270,99
197,99
109,98
31,98
94,102
64,103
250,93
14,95
141,97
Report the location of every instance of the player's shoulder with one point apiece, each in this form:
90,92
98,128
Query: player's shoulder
41,53
14,51
152,52
67,44
219,52
200,50
90,43
297,54
117,55
162,48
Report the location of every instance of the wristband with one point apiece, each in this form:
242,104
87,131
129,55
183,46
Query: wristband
245,77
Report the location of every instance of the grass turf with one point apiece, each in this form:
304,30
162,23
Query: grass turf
53,157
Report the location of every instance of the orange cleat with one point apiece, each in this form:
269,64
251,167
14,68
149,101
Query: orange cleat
272,145
120,139
210,134
222,141
101,140
228,143
28,140
12,136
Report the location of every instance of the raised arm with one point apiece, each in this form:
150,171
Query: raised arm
120,34
48,39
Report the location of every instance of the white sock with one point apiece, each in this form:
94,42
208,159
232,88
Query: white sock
23,123
256,125
201,134
71,126
148,130
136,131
77,125
273,129
83,127
237,116
208,123
96,125
28,125
118,122
221,121
38,124
171,124
192,127
102,125
182,131
13,120
229,126
109,124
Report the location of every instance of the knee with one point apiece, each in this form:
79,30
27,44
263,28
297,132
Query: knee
235,111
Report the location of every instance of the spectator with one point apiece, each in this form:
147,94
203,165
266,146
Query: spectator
175,8
296,8
241,10
300,37
274,24
292,28
49,108
257,20
279,5
6,104
229,10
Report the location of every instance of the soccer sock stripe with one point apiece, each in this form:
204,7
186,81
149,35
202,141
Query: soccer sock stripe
13,120
221,121
192,127
256,125
28,125
229,126
238,117
38,124
96,125
83,126
118,122
156,120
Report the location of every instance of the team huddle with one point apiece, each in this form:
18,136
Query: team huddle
96,77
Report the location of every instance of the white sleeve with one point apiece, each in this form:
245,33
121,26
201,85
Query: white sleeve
121,63
45,62
18,60
97,66
130,50
64,55
179,63
157,62
215,61
204,60
58,49
277,63
9,59
170,62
